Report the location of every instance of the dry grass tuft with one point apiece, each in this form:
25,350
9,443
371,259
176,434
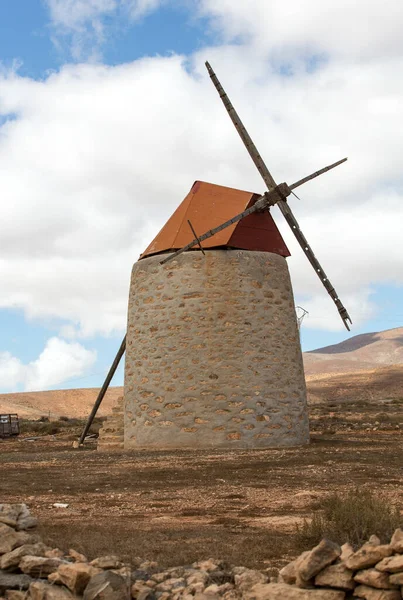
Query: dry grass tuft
352,518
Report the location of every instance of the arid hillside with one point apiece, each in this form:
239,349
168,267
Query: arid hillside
57,403
377,386
360,352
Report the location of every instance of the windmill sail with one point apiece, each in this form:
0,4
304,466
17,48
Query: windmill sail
283,206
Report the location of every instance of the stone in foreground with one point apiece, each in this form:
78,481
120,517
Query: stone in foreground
367,556
319,557
374,578
40,590
369,593
396,543
282,591
106,586
336,576
11,581
76,576
391,564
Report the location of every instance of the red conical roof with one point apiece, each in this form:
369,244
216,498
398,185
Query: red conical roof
208,205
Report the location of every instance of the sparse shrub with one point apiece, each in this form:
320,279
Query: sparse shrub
352,517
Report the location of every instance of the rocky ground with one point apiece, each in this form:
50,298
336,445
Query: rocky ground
32,570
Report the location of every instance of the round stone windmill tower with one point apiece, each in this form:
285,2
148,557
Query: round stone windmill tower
212,353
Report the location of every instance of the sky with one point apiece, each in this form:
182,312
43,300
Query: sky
108,116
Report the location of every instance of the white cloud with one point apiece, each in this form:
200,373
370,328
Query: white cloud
83,22
59,361
96,159
359,30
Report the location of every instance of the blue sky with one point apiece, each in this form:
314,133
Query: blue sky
94,95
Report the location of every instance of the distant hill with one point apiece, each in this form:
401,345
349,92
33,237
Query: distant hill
55,403
360,352
371,386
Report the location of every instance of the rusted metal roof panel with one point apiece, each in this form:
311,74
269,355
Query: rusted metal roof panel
208,205
258,231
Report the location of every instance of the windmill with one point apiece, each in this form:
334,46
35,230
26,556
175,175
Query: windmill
213,356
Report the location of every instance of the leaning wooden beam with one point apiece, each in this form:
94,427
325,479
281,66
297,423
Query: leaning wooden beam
195,234
103,389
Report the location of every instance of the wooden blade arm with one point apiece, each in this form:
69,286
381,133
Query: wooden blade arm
244,135
293,223
316,174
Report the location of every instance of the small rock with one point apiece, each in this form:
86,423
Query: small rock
9,514
392,564
336,576
76,576
140,574
346,551
77,556
206,565
25,520
367,556
10,539
197,577
374,578
145,593
38,590
171,584
38,566
107,562
11,581
123,571
160,577
222,577
55,579
201,596
11,560
288,574
60,505
396,543
54,553
148,565
396,579
212,589
106,586
368,593
195,588
282,591
319,557
374,540
15,595
248,579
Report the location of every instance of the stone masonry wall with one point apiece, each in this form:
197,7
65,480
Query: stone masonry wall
213,357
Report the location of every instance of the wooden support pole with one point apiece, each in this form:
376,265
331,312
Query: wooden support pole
103,389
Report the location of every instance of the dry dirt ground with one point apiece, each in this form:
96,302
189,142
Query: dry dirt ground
177,507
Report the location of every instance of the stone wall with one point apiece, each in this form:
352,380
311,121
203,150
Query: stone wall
31,570
213,357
